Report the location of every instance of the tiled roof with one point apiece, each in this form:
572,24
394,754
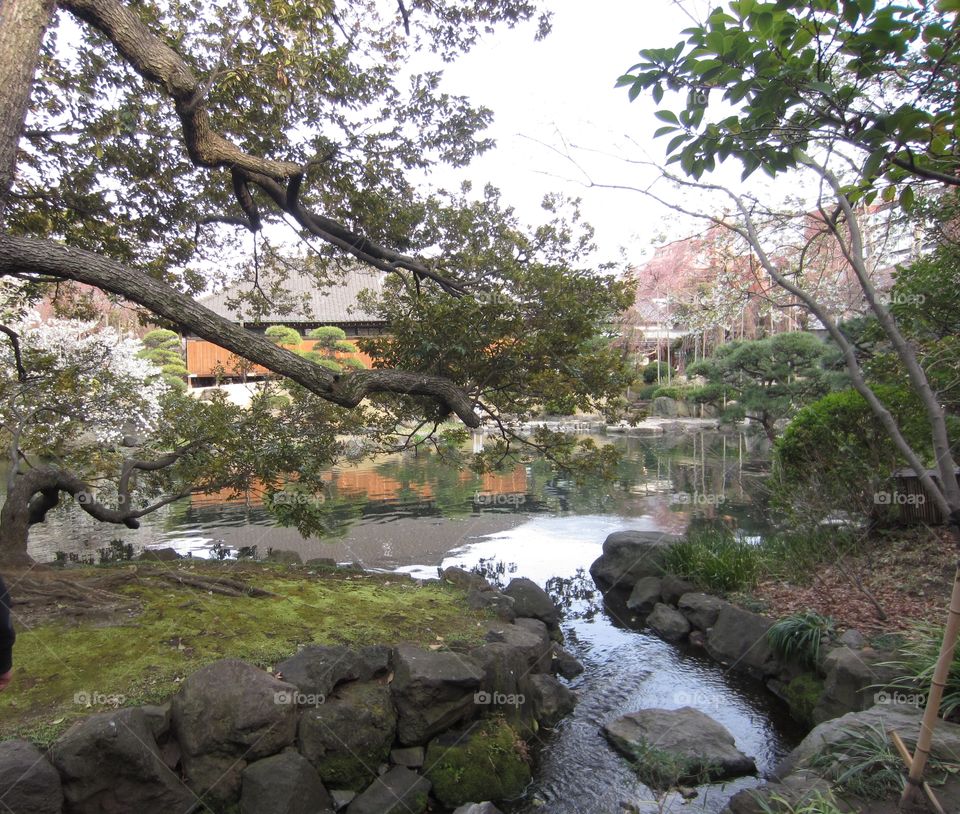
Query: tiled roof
310,302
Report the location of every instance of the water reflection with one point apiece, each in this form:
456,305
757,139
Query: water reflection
403,509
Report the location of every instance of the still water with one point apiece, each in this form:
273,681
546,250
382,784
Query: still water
414,514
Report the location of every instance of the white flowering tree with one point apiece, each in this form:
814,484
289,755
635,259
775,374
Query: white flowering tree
70,394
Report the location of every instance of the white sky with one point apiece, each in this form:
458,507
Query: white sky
562,90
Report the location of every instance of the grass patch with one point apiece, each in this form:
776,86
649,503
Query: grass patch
661,770
140,657
800,636
716,560
916,660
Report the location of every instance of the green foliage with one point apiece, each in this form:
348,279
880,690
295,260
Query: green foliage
661,770
800,636
834,453
817,802
785,78
714,559
651,371
329,341
916,660
770,379
865,763
284,336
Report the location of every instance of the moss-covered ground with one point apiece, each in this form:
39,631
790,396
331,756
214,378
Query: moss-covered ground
153,631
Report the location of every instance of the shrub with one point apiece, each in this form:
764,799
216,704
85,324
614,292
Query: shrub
799,637
650,372
817,803
714,559
917,659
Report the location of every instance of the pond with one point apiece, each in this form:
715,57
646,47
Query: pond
413,514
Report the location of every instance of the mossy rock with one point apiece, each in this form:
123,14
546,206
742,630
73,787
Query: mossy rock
802,694
486,762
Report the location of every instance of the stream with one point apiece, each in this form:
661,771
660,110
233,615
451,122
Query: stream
413,514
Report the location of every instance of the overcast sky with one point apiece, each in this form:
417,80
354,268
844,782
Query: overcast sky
561,90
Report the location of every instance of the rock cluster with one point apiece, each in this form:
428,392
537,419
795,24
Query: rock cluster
368,731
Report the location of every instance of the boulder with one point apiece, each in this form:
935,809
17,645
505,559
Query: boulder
685,732
552,701
629,556
645,594
795,792
485,760
853,639
342,798
165,554
530,600
28,782
349,735
501,605
664,407
545,640
409,756
564,663
399,791
739,639
669,623
881,717
673,587
110,762
225,715
701,609
478,808
283,784
284,556
852,680
432,691
468,580
316,669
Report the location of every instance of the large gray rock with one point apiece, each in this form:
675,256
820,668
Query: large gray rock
317,669
478,808
685,732
673,587
468,580
882,717
739,639
399,791
432,691
552,701
501,605
796,791
226,715
530,600
701,609
28,783
283,784
853,679
564,663
629,556
110,763
668,622
349,736
645,594
545,638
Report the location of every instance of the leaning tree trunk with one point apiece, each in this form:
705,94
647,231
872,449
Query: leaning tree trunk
20,511
22,26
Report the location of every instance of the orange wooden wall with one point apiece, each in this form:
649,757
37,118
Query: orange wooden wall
203,358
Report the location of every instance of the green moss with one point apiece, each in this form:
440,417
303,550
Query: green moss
802,695
139,657
487,762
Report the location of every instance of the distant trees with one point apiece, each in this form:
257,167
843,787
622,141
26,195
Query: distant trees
162,347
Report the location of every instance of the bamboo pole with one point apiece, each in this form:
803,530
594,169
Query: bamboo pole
908,759
912,793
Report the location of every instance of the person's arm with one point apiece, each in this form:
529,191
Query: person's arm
7,637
